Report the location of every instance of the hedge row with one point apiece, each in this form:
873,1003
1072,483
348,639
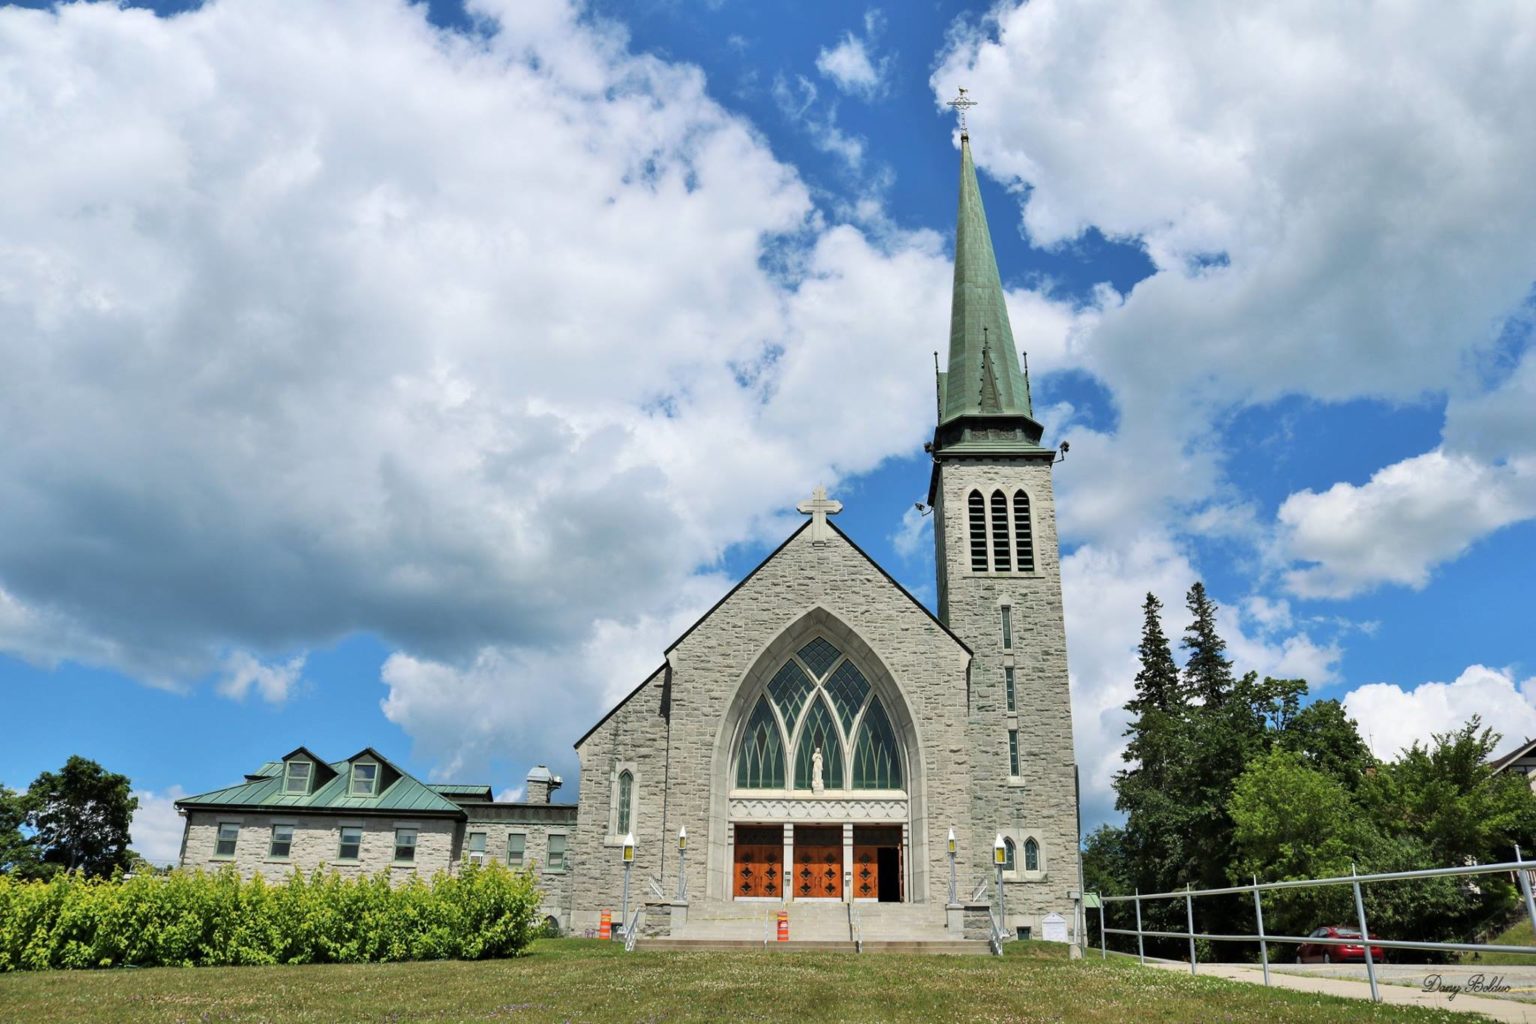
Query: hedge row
197,919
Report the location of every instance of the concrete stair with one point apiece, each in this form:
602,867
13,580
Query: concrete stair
753,923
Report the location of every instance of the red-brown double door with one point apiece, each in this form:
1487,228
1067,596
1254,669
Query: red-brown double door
818,871
759,869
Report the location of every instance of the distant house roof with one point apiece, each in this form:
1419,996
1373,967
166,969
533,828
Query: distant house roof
1498,764
397,790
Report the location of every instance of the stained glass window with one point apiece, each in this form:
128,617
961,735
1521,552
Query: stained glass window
819,733
847,688
626,792
1013,752
1031,855
1008,686
819,655
1008,854
760,764
789,689
876,765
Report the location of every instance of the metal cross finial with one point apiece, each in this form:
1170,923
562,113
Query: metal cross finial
818,508
962,103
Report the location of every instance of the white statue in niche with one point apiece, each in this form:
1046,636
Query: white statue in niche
816,784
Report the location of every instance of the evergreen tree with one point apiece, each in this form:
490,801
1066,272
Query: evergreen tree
1157,684
1208,673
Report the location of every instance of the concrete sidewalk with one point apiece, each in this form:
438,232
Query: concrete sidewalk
1398,995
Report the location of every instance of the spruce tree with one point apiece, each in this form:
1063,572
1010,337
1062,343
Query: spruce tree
1208,673
1157,684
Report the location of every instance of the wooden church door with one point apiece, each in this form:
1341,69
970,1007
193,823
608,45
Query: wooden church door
818,863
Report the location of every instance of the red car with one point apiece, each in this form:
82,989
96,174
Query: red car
1327,953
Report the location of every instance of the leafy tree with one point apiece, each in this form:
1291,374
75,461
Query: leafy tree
1329,740
18,853
1208,672
82,815
1106,866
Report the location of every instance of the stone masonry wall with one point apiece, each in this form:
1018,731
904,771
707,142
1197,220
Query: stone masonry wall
316,841
860,606
1041,801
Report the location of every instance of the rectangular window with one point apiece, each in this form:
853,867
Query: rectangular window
364,778
297,781
405,845
229,832
476,846
1008,687
1013,752
556,853
351,844
516,844
282,842
1007,628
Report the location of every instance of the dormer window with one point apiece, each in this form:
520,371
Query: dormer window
296,779
365,778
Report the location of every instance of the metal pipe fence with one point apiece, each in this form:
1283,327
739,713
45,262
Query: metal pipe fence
1522,869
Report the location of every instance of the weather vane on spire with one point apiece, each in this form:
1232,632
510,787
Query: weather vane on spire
962,103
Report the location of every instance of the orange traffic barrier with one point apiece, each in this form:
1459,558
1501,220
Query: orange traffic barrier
783,926
605,925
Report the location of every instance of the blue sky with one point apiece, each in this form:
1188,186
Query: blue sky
411,377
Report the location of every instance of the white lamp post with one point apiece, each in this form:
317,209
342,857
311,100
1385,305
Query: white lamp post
682,861
1000,858
629,862
953,894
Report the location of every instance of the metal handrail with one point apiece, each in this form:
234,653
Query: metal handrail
1520,867
632,930
856,926
654,884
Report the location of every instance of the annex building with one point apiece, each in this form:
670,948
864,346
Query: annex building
819,733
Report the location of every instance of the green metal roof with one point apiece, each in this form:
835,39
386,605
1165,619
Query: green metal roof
399,791
984,374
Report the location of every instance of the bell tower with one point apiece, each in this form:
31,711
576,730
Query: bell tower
999,581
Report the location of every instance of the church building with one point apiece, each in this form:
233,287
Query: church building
819,735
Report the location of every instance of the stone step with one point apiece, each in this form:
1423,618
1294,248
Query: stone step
924,947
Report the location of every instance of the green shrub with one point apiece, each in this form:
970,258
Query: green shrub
197,919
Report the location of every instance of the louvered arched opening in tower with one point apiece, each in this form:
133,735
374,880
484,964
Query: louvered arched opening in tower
1001,560
978,515
1023,534
760,762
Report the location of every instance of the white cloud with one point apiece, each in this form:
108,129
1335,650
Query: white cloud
273,682
156,827
798,103
1394,718
1302,181
354,347
914,534
1408,518
851,64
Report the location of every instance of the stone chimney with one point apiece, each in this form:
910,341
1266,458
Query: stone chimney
541,784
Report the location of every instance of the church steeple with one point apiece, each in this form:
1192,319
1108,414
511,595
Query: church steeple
985,386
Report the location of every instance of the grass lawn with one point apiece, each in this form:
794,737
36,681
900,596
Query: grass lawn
1519,935
581,980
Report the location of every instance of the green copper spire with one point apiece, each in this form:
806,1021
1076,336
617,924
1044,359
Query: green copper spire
984,377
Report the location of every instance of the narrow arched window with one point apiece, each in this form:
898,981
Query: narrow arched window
977,507
1008,854
626,794
760,763
1031,855
876,764
1001,561
1023,534
819,733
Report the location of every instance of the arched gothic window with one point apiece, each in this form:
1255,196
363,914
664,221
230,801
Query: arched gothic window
1031,855
760,763
1023,535
626,795
977,509
1001,561
819,700
1008,853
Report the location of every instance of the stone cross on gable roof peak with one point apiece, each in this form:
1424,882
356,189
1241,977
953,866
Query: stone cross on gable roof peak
818,508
